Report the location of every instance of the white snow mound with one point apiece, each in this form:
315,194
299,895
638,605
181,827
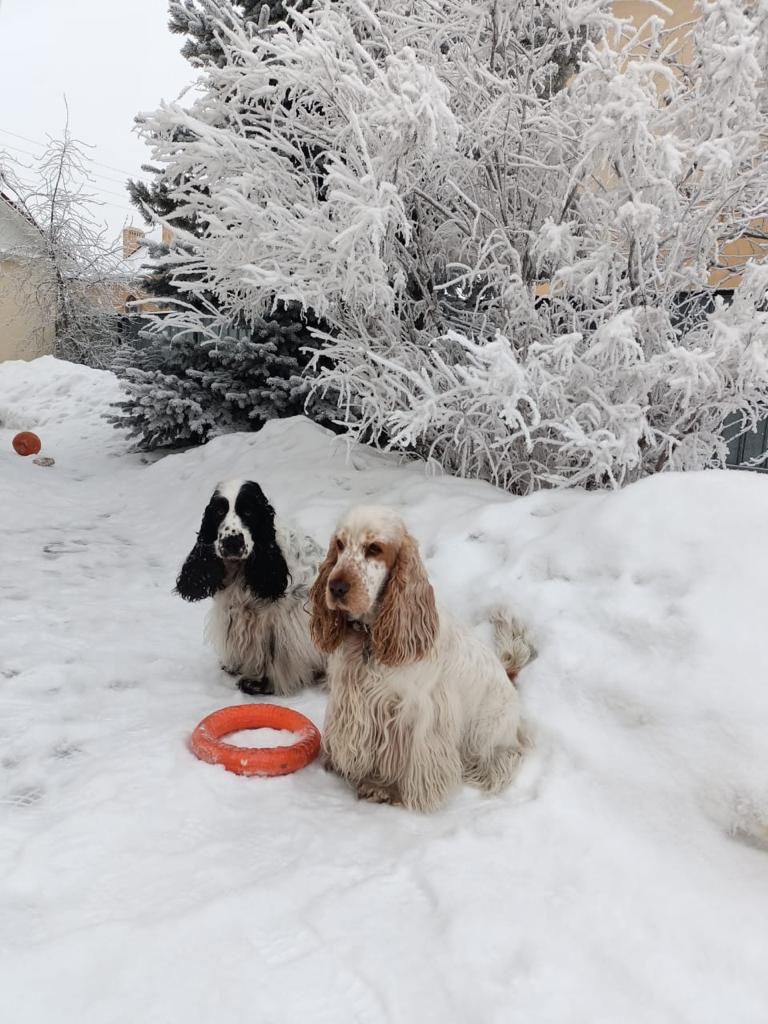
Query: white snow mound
624,877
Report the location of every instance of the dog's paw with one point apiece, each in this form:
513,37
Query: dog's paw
376,793
230,671
255,687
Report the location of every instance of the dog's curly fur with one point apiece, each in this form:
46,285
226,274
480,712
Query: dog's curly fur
258,574
417,704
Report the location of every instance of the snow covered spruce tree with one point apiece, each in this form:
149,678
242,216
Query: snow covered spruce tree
207,369
525,210
199,20
209,376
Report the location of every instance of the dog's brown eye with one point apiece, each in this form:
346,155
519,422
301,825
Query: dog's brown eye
373,550
339,544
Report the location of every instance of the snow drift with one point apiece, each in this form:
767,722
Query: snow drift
624,877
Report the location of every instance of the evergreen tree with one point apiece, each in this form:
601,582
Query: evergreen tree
208,370
190,385
198,20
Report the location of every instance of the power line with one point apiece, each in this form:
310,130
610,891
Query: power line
117,195
43,145
91,176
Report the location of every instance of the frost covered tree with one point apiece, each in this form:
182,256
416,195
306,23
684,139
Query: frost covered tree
207,369
75,293
525,210
197,21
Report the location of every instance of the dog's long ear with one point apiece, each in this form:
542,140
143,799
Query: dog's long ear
202,574
326,625
265,570
406,626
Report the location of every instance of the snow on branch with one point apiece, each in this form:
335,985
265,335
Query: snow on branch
512,219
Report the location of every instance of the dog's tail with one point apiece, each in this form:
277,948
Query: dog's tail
513,645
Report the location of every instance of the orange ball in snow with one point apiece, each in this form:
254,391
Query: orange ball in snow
27,443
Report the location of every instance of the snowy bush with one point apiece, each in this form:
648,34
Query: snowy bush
510,215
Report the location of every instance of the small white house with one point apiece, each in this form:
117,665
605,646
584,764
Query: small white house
26,328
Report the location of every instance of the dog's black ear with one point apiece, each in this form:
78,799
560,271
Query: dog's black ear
202,574
266,571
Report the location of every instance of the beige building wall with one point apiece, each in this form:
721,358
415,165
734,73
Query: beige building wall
27,319
25,330
129,298
679,21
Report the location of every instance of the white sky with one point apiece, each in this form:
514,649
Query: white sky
112,58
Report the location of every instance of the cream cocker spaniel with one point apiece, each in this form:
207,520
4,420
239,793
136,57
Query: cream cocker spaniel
417,703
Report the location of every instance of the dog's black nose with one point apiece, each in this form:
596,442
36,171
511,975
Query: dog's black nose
338,588
233,544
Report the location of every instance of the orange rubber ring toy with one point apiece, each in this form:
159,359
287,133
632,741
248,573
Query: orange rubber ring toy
205,741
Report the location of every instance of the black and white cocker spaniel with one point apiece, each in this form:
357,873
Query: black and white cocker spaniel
258,574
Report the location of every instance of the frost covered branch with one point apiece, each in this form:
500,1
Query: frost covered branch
512,217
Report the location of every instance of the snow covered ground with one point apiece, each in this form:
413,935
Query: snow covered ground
624,878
